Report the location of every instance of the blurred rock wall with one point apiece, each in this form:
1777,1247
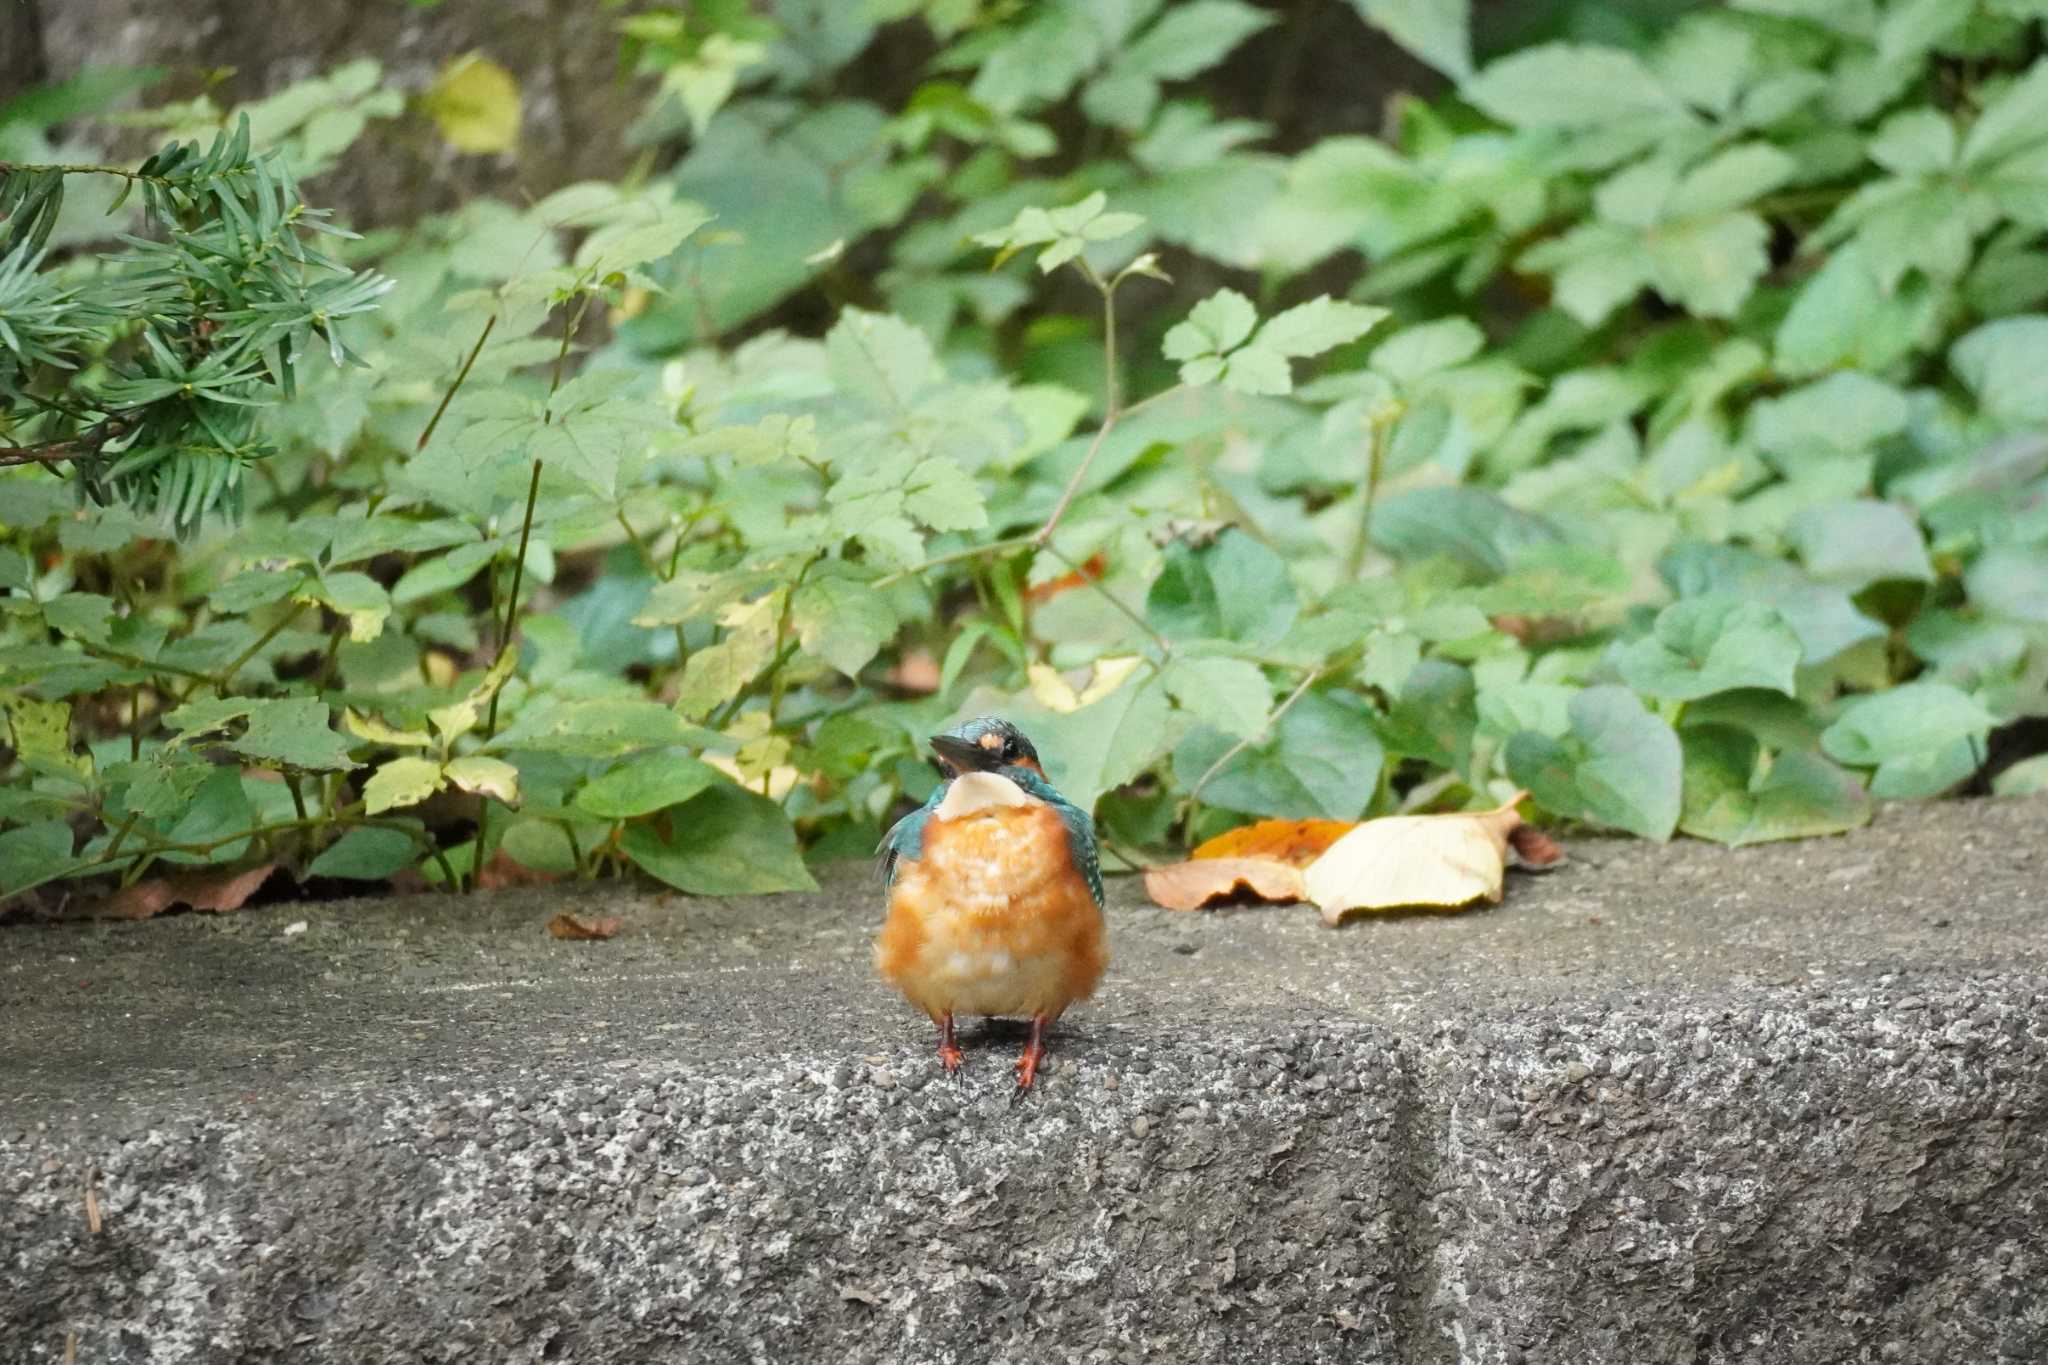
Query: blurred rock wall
563,52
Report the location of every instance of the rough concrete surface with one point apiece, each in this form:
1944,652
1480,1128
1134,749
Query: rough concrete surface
1784,1105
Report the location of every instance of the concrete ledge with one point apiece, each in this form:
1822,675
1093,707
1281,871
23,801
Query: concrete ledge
1666,1105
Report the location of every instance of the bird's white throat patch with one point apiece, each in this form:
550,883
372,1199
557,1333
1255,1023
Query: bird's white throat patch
972,793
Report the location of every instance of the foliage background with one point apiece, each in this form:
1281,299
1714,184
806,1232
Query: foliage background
1668,439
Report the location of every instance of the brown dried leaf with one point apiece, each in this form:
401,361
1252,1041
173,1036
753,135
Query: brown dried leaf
579,929
1533,847
1299,842
1414,861
1194,884
206,889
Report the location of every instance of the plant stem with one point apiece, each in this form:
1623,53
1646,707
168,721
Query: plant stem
483,803
1095,581
1264,730
226,677
994,547
460,375
1361,544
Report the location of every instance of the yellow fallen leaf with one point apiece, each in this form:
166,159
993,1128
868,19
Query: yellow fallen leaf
475,104
1193,884
1402,861
1055,693
1299,842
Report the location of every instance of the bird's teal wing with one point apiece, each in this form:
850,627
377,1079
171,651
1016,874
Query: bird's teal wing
1080,827
905,838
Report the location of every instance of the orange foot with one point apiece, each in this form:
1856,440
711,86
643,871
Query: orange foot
950,1056
1034,1053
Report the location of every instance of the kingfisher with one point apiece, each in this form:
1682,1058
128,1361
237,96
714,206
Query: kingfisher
995,893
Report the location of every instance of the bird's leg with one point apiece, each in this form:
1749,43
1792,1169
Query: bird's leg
949,1051
1034,1053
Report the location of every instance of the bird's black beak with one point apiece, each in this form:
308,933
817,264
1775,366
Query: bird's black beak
965,755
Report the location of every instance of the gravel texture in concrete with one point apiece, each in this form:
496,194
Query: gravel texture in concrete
1784,1105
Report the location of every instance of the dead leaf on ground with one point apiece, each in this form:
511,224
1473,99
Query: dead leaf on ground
1194,884
584,929
1416,861
1299,842
1533,847
501,872
207,889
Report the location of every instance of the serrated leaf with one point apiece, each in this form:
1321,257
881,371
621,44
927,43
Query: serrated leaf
377,732
481,775
296,733
1217,324
1316,326
1437,31
843,621
943,496
401,782
1231,695
1566,85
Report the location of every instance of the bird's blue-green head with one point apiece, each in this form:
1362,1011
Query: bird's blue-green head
985,744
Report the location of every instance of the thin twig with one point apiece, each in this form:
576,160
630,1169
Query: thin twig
483,807
1095,581
1264,730
85,445
460,375
1361,544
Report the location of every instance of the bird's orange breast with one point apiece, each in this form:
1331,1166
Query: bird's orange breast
993,918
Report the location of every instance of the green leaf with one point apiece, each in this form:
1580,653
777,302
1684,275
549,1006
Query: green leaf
1733,799
1234,589
1922,738
39,732
724,841
480,775
1414,352
644,785
1564,85
601,728
443,573
1316,326
401,782
1620,766
1730,180
1709,265
294,733
542,845
366,854
2011,581
883,359
1191,38
1228,694
1437,31
14,569
2003,361
2028,777
716,674
1821,615
1217,324
1703,645
34,854
1860,541
943,496
842,620
1434,717
1323,762
2016,119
